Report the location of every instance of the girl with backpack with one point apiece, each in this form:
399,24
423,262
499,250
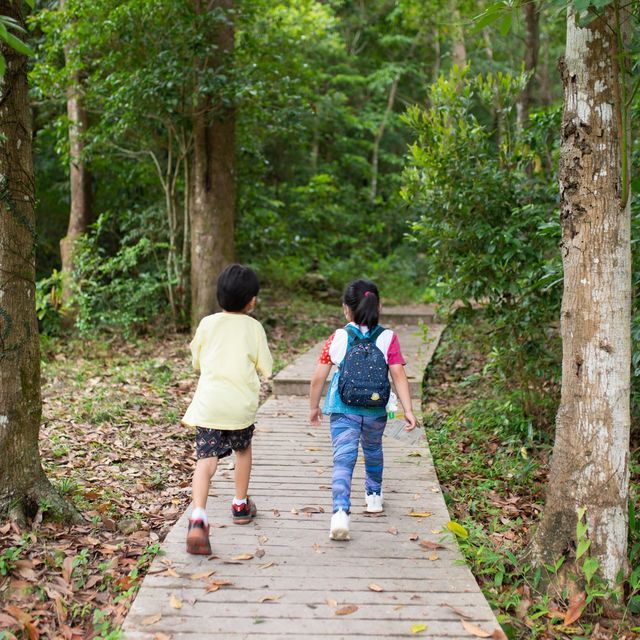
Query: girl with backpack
365,353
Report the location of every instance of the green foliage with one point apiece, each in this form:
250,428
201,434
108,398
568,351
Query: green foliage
49,302
486,217
119,290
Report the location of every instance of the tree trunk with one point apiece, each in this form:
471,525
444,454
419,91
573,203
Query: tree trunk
458,48
531,48
589,467
22,481
80,183
375,156
214,181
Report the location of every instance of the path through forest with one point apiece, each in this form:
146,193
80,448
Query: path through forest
400,575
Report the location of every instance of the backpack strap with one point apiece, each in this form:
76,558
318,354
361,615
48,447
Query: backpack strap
375,334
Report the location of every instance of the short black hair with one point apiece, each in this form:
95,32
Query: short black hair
237,285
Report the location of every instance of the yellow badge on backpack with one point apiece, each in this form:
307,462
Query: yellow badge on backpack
375,396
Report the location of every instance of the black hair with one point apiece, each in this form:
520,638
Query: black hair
237,284
363,299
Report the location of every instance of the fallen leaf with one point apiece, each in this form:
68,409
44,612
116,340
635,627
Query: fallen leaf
267,565
312,509
171,572
415,454
67,568
176,603
294,511
414,536
332,603
427,544
161,636
393,531
576,606
156,617
346,610
263,539
375,587
417,496
268,599
420,514
458,529
243,556
475,630
276,513
457,611
434,557
201,575
398,607
418,628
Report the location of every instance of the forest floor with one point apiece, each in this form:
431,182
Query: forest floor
112,442
493,468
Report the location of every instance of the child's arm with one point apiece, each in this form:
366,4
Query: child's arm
264,361
315,391
402,389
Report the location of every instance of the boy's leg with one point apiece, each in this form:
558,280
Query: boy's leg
372,432
205,469
345,435
243,508
243,472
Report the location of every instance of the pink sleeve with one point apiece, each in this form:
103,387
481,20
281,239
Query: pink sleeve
324,354
394,355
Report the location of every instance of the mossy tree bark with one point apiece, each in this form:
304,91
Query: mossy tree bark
589,467
23,484
214,172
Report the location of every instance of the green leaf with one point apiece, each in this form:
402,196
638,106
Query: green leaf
505,25
583,546
3,65
17,44
581,5
458,529
589,568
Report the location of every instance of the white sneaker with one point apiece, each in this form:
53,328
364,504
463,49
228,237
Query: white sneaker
374,503
339,525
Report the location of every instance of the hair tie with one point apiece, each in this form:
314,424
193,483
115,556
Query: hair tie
366,293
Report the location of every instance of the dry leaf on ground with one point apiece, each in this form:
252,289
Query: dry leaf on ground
576,606
243,556
268,599
469,627
427,544
175,602
332,603
346,610
375,587
393,531
156,617
202,574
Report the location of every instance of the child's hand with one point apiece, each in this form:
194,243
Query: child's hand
411,421
315,417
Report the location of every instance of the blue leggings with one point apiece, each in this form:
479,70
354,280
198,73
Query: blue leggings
347,431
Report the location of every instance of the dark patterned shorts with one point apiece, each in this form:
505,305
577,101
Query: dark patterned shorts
212,443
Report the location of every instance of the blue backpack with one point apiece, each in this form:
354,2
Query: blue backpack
363,380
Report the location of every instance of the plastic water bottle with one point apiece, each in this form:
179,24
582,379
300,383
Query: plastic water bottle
392,406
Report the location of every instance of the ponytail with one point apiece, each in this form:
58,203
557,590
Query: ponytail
363,299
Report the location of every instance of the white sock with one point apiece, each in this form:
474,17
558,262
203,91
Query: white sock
199,513
239,502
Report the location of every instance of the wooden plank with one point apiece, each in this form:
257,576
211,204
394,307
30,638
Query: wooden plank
294,559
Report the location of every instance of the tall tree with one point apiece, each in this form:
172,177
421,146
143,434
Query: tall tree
79,176
214,164
589,467
531,48
23,484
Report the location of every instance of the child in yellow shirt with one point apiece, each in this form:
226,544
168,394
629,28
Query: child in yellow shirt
229,349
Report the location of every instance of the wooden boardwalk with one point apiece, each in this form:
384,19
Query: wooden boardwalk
281,576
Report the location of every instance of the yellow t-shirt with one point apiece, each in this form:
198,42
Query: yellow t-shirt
229,349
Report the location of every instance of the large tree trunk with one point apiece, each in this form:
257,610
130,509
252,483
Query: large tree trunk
80,183
589,467
214,181
22,481
531,48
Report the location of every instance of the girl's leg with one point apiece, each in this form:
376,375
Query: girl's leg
205,468
372,431
345,435
243,472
